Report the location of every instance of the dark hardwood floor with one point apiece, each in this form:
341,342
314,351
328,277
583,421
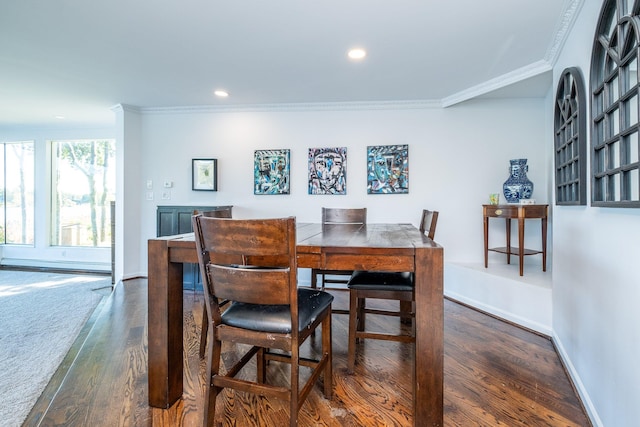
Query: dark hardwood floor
496,374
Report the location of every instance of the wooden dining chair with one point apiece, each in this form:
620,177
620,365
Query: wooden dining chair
336,280
267,310
217,213
428,223
398,286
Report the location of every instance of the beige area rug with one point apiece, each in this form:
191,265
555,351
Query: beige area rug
41,314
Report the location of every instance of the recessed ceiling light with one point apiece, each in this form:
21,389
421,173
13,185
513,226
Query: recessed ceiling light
60,117
357,53
221,93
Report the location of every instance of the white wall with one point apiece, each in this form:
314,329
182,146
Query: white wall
457,156
596,283
128,202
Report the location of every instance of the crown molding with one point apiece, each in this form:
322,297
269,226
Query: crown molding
563,28
293,107
125,107
499,82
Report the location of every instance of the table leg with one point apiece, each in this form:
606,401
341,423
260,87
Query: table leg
544,244
428,367
507,222
521,243
486,242
165,360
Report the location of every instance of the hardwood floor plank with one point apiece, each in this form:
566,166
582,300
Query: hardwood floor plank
496,374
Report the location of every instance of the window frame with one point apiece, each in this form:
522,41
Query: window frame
615,111
3,186
570,139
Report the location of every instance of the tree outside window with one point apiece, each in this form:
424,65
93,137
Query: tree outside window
83,177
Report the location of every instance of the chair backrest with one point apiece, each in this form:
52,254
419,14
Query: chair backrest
344,215
428,223
267,247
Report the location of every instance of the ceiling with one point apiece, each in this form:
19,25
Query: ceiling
77,59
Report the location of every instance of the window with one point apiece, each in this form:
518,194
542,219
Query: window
570,125
16,197
83,185
615,166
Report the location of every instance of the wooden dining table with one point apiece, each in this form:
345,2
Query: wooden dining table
376,247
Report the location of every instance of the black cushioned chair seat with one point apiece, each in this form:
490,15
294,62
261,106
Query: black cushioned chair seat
378,280
277,318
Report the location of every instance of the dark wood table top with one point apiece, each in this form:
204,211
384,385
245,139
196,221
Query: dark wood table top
357,236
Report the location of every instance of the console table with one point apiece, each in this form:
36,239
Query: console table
519,212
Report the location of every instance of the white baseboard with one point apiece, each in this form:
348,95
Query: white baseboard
131,276
524,300
592,413
58,265
503,314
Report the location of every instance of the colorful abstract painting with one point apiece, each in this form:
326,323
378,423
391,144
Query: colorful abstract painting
388,169
271,172
328,170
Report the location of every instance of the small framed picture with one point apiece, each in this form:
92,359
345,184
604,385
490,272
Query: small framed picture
204,174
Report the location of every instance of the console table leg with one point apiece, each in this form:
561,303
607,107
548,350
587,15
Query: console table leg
507,221
486,242
521,244
544,244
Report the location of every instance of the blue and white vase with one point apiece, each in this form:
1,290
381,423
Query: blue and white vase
518,186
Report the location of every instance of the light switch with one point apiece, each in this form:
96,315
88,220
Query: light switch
149,184
168,184
149,195
166,195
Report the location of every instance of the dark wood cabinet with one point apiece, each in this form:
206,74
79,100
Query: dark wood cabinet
177,219
171,220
